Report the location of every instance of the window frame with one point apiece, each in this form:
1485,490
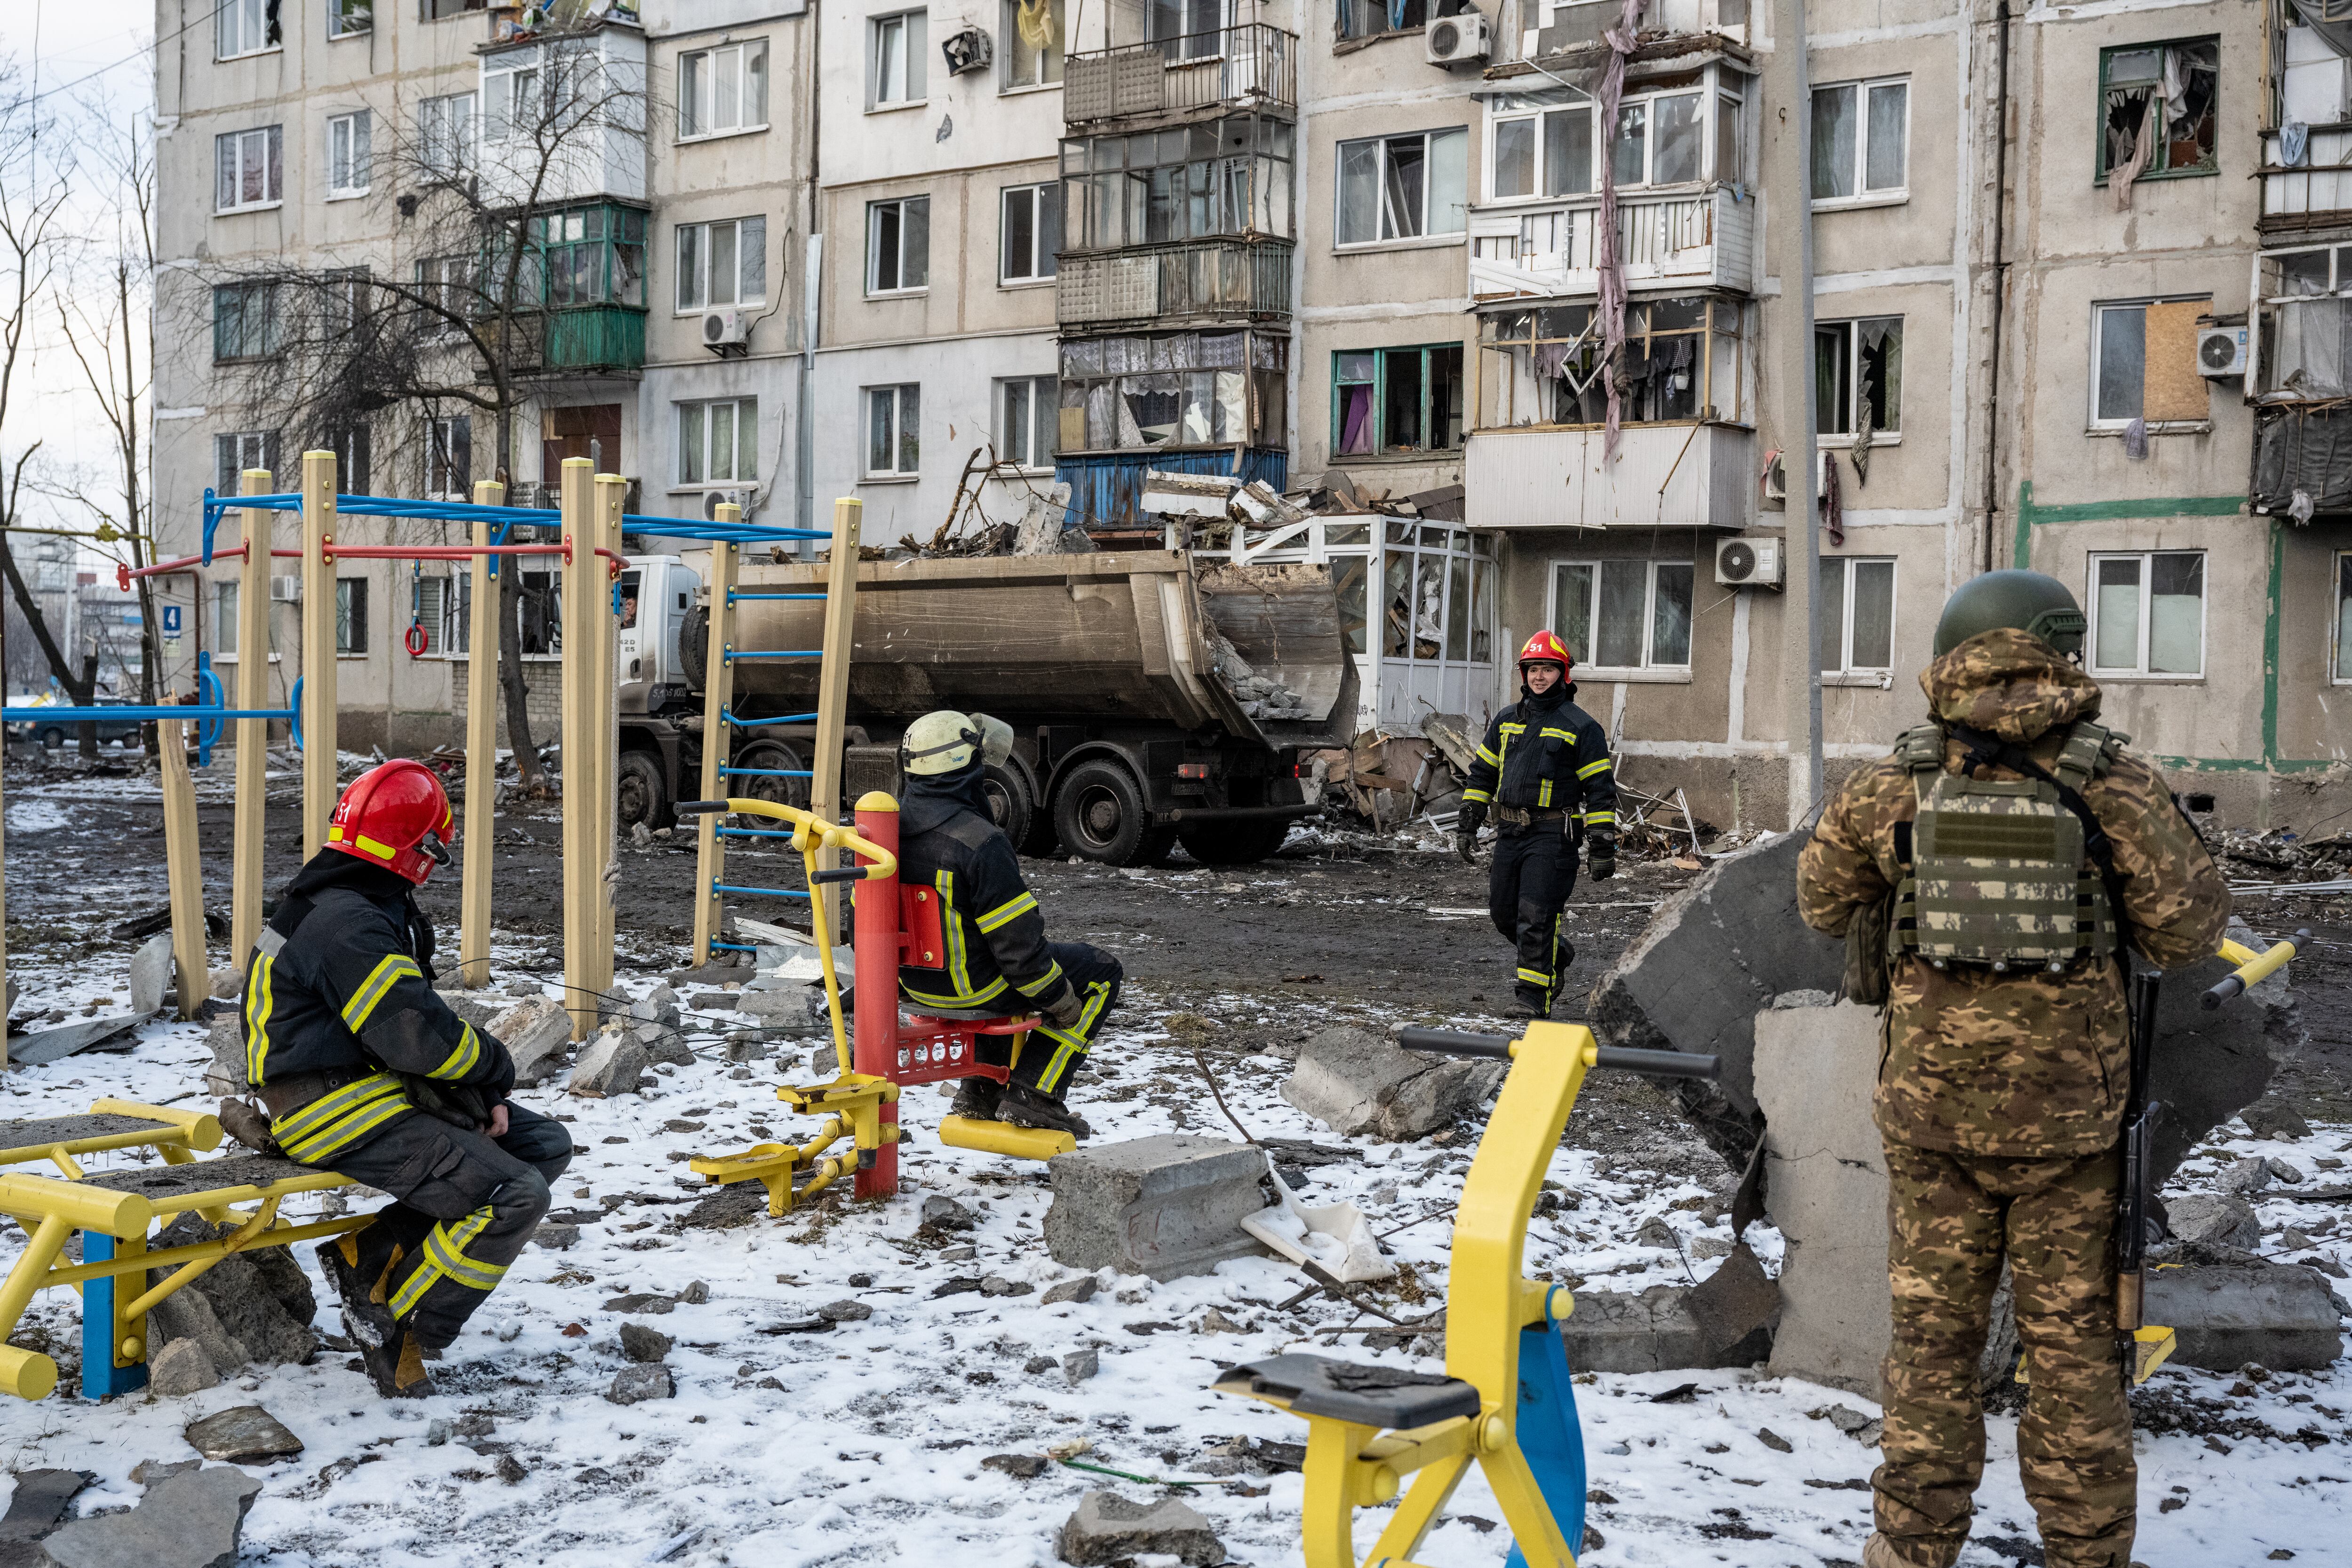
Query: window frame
1378,10
351,618
225,484
2099,309
896,391
441,431
741,410
464,130
358,125
872,247
1850,326
915,62
1044,264
699,266
1892,195
1382,445
349,19
1045,421
245,292
2139,670
743,49
2339,626
1716,88
1844,631
1498,387
1425,235
1058,55
273,160
1590,667
2101,169
260,20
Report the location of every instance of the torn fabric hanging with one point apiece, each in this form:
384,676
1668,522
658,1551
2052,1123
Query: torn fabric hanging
1833,505
1608,260
2131,141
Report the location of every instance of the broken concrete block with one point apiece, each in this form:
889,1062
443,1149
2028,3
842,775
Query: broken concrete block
1081,1290
556,1237
2275,1314
645,1345
635,1384
610,1063
2244,1178
254,1306
2271,1117
224,1037
479,1009
1080,1366
1656,1331
943,1213
179,1368
2210,1221
189,1520
659,1005
537,1033
1735,1305
1108,1527
152,973
247,1435
35,1508
1165,1205
662,1044
1355,1081
846,1310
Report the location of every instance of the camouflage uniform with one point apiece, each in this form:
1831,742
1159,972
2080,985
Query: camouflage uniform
2000,1098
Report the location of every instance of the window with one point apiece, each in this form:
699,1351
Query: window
1437,595
448,286
250,171
224,619
348,168
1225,176
895,61
1862,139
592,255
1857,599
352,455
543,613
1370,18
2136,142
1662,139
1186,29
449,458
1543,366
444,133
1624,615
245,27
1033,42
2147,613
1029,233
1858,376
351,613
897,245
722,263
1174,389
433,608
1547,153
1396,400
718,443
1402,187
232,455
2306,322
349,18
723,90
894,440
1025,423
245,320
442,10
2342,663
2145,353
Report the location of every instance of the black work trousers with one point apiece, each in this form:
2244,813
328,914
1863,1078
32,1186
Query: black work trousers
1049,1054
1533,873
465,1204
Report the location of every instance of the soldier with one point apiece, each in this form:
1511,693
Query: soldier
1998,916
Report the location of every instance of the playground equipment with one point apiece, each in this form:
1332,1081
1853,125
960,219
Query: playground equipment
179,1136
861,1103
1505,1401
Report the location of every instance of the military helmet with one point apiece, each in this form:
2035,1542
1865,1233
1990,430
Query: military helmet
2033,602
943,742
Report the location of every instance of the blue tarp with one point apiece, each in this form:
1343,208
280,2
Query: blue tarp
1106,491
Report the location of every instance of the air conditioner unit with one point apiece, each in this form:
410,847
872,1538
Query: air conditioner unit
713,500
968,50
1747,563
724,329
1465,39
1775,478
2222,350
286,590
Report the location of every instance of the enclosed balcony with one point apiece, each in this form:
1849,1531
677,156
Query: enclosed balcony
1167,71
1193,280
1705,239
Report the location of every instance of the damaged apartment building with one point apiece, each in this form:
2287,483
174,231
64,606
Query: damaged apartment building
2080,280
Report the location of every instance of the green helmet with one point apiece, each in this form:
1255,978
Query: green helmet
943,742
2035,603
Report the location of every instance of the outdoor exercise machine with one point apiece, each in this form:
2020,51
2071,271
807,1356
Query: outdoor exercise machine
179,1136
894,923
1505,1400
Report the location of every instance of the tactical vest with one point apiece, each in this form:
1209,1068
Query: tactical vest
1997,873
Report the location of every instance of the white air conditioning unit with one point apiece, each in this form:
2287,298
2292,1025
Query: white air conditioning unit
723,330
2222,350
286,590
713,500
1465,39
1747,563
1775,478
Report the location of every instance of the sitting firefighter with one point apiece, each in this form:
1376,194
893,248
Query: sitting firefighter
998,959
367,1072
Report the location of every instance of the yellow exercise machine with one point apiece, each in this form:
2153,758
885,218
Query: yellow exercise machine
179,1136
1505,1400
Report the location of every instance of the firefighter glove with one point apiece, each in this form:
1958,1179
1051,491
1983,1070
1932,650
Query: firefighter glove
1067,1009
1601,856
1466,823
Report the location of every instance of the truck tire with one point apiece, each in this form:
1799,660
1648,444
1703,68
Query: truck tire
1009,802
1242,843
769,754
642,796
1099,814
694,648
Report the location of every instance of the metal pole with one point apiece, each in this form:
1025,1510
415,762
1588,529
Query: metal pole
481,753
1791,190
252,734
718,689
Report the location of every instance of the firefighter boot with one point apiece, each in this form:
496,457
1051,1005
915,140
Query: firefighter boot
977,1097
1025,1107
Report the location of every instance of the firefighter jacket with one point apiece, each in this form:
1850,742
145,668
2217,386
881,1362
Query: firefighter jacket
338,987
1545,754
997,956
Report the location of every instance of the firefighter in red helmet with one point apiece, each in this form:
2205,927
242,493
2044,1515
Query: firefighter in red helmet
365,1072
1544,776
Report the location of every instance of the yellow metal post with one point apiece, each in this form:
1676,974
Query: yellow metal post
718,740
184,868
832,673
252,734
319,780
3,923
481,753
583,863
611,492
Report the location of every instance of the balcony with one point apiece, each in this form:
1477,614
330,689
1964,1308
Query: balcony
1548,249
1194,280
2303,461
586,339
1579,24
1666,476
1250,65
2317,192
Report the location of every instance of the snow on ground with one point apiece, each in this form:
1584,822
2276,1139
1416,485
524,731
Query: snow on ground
786,1450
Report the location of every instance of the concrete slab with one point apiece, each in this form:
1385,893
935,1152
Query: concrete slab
1357,1082
1166,1206
2278,1315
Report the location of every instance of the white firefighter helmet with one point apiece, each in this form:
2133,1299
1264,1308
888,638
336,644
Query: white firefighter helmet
943,742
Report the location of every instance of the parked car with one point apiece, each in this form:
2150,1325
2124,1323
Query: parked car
55,733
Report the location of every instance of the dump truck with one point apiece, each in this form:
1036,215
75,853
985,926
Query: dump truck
1157,697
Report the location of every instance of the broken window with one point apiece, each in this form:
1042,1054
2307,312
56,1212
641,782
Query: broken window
1546,366
449,458
1626,614
1397,400
1857,599
1230,176
1403,187
1861,133
1370,18
2159,113
2343,661
2145,354
348,19
245,27
2306,322
1858,376
1177,389
1032,30
542,613
351,613
1025,424
2147,613
1029,233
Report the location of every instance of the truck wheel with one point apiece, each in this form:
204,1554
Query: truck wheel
1099,814
1241,843
1009,803
694,647
769,755
642,796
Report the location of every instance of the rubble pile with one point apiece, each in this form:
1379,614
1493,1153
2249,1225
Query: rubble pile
1260,696
2279,861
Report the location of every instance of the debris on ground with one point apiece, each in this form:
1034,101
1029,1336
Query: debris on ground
193,1519
1356,1082
1166,1206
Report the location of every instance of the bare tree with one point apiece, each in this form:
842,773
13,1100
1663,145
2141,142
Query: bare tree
467,309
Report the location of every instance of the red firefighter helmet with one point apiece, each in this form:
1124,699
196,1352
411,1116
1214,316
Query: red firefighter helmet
1544,648
396,815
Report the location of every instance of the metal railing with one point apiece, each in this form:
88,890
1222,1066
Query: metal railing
1220,279
1252,63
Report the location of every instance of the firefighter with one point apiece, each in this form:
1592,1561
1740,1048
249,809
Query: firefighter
365,1072
1544,776
998,960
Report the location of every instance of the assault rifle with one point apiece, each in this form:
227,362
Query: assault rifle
2139,1153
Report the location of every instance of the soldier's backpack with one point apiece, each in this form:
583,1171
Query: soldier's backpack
2011,873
